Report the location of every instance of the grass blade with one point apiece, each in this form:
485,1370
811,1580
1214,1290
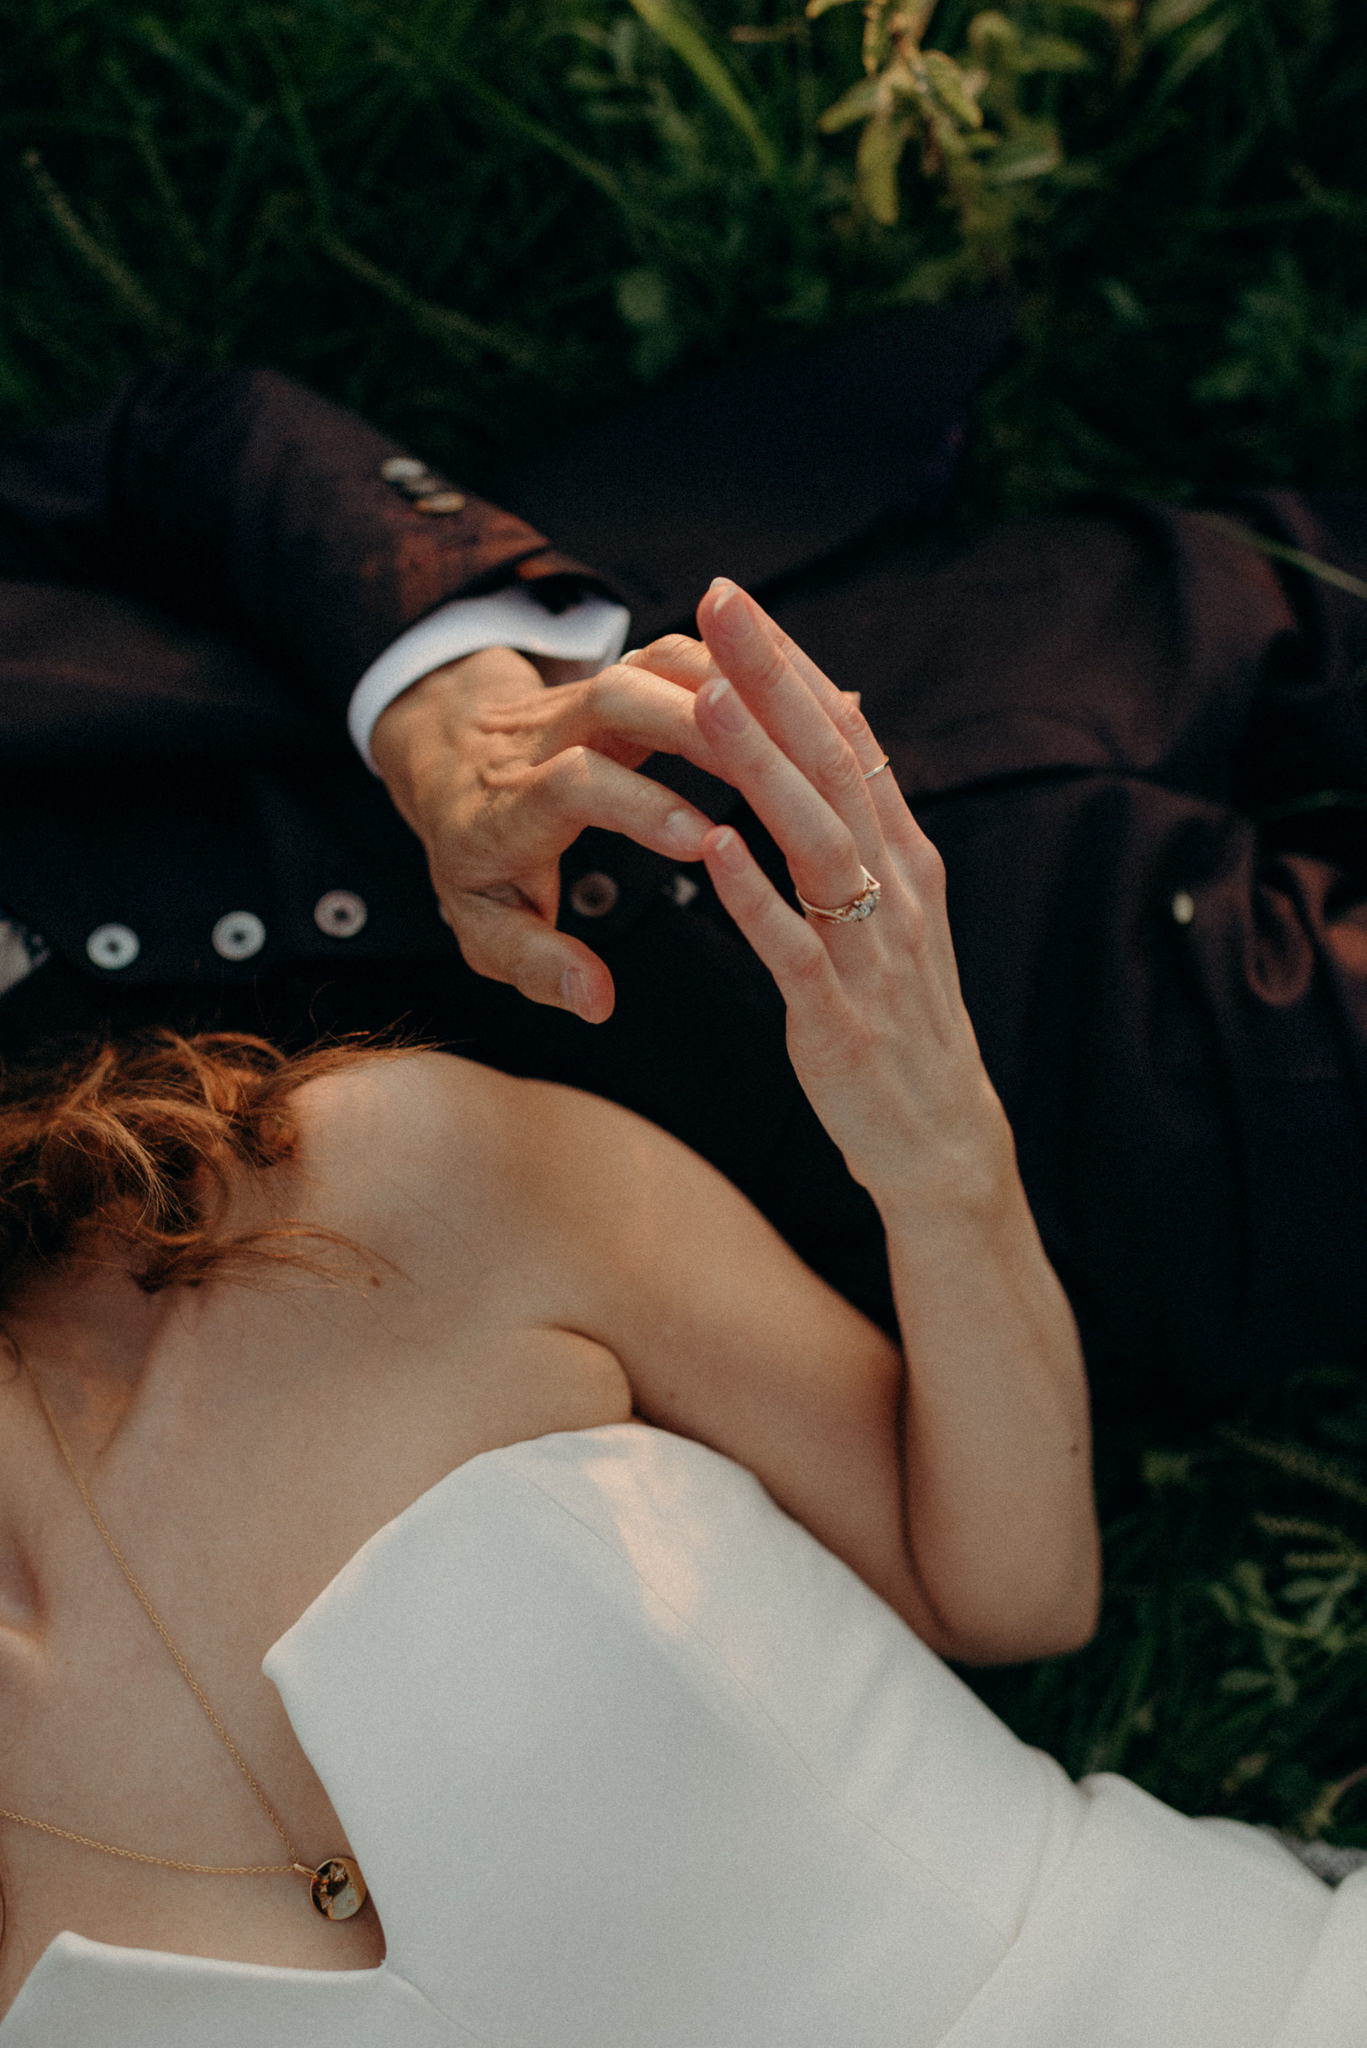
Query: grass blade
712,75
120,280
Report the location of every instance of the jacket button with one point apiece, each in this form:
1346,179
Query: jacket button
113,946
238,935
441,501
1183,907
340,913
594,895
402,469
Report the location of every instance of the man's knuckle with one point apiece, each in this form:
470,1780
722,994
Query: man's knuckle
673,647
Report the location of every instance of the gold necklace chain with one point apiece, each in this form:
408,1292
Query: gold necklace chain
336,1885
47,1827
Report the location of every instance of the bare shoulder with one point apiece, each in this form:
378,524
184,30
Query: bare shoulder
396,1107
403,1130
431,1147
467,1190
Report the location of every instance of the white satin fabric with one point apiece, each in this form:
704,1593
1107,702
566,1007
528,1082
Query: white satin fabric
630,1761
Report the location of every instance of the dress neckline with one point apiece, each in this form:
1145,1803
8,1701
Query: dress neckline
68,1938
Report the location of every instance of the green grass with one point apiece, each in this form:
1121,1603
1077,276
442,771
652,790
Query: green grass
477,222
1230,1671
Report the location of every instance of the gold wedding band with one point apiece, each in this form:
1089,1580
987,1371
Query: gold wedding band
869,773
860,906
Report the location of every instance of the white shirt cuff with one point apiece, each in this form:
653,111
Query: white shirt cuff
590,633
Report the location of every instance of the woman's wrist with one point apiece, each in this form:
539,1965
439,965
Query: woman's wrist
966,1177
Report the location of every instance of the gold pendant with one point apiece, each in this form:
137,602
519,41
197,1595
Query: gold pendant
337,1888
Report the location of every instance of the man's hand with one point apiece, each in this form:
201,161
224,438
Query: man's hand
498,775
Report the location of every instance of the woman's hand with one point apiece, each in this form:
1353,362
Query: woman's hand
877,1028
993,1438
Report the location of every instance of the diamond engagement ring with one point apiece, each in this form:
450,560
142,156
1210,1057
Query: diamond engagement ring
860,906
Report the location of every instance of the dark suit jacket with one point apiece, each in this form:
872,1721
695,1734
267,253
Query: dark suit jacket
1140,746
190,587
1084,708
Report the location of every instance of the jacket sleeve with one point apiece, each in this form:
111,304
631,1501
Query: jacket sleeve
241,505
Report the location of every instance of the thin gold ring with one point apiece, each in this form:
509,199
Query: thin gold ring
869,773
860,906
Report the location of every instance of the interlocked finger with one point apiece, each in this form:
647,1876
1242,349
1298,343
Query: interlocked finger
675,657
844,711
826,861
810,721
789,946
756,655
842,707
625,713
578,787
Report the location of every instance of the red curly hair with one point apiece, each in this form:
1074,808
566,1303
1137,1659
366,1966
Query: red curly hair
133,1142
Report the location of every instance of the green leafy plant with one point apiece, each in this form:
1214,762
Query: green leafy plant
478,222
965,115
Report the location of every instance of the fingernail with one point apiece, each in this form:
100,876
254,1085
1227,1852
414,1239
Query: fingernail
722,587
732,621
724,705
687,830
574,990
729,849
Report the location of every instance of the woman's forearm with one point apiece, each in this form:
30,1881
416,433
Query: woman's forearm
993,1437
995,1426
996,1436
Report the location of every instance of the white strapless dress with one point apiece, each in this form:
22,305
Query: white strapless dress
630,1761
